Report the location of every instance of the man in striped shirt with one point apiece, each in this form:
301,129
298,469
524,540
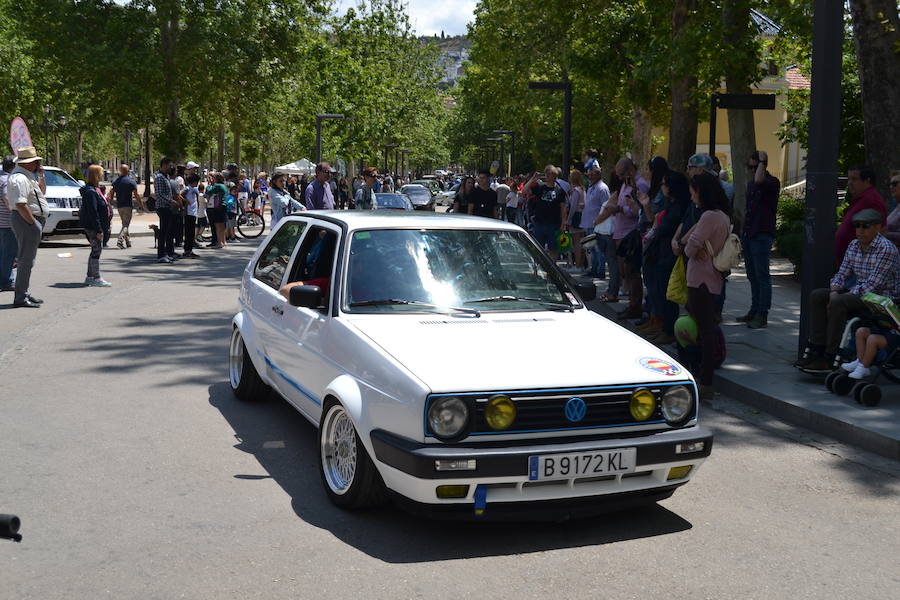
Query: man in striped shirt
871,264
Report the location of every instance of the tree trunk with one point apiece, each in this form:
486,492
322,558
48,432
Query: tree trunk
220,159
741,126
683,125
876,28
237,145
169,12
79,148
640,137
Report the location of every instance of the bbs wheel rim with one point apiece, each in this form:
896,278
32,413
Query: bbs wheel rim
339,453
236,359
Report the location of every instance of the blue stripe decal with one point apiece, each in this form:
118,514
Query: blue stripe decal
290,381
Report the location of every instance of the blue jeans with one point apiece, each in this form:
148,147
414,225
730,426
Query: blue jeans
757,253
8,249
545,235
663,308
612,265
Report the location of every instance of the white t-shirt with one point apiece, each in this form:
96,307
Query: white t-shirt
606,227
191,195
512,200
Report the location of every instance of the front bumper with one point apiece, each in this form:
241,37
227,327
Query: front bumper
408,469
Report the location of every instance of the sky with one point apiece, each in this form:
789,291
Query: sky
433,16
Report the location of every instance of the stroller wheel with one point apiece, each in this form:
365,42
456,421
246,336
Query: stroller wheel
829,380
842,384
870,395
857,391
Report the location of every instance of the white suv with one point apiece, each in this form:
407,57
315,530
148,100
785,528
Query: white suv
64,198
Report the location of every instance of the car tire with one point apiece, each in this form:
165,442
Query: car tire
349,476
245,381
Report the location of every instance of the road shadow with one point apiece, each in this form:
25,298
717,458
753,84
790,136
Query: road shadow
284,443
67,286
71,243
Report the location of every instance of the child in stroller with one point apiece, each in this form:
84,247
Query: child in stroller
877,350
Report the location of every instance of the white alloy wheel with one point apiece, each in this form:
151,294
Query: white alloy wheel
235,359
338,449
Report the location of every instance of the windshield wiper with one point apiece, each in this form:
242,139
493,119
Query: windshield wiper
443,309
546,303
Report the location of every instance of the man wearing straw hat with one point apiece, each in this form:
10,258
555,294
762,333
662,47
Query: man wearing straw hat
25,192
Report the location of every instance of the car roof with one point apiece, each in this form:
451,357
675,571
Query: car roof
414,186
373,219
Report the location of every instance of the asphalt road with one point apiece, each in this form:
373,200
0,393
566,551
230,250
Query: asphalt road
138,475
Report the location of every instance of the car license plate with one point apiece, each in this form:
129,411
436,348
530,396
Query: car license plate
594,463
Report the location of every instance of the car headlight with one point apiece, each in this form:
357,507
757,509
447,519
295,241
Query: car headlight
500,412
642,404
676,404
447,417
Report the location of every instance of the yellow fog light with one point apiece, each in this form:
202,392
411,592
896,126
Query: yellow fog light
452,491
679,472
500,412
642,405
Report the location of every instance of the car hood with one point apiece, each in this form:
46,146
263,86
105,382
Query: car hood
518,350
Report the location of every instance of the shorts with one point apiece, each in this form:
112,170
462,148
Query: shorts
545,235
215,215
231,218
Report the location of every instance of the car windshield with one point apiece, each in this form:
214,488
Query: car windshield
397,201
417,193
59,178
391,270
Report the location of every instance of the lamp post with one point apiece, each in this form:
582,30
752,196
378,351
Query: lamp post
319,118
127,146
387,148
566,86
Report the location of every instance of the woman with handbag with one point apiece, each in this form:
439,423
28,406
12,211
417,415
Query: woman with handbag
704,282
95,218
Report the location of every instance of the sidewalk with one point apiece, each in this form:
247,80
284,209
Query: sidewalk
758,370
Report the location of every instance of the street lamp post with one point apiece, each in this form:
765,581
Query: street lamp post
319,118
566,86
512,148
404,165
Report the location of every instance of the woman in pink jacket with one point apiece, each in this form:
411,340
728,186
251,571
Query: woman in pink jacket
703,280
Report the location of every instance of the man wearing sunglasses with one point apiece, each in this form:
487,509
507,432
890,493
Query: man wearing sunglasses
871,264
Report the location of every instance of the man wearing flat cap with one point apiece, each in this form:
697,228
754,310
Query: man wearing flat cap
29,211
871,264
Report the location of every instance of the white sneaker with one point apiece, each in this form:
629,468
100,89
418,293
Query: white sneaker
860,372
164,259
850,366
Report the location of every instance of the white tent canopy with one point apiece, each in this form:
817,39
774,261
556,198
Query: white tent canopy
298,167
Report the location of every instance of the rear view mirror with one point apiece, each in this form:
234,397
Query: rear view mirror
307,296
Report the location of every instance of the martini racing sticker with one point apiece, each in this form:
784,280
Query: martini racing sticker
660,366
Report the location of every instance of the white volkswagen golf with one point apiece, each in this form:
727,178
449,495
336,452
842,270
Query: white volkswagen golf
449,364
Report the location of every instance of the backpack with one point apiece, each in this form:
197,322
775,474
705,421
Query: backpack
729,256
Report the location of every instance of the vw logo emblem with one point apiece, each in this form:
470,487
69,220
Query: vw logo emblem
575,409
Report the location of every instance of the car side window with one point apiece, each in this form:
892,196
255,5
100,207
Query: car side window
274,260
315,260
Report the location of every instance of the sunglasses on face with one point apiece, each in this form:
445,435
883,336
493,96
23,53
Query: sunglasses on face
862,225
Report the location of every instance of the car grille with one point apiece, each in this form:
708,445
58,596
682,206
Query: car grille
546,410
65,202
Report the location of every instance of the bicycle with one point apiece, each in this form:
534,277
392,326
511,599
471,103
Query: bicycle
250,223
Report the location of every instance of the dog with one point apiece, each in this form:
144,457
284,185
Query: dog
155,229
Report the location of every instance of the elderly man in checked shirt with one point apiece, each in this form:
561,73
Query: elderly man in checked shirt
871,264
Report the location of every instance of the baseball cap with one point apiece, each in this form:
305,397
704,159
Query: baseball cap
191,165
868,215
702,161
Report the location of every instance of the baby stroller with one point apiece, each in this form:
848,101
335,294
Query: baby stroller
884,315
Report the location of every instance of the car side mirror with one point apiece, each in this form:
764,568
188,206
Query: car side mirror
81,182
307,296
587,292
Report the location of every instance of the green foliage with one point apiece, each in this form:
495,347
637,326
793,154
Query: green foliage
789,229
